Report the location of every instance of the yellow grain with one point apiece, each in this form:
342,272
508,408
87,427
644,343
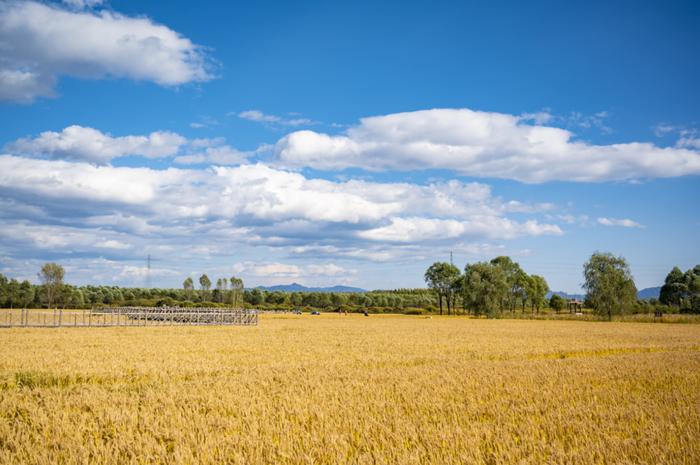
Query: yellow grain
333,390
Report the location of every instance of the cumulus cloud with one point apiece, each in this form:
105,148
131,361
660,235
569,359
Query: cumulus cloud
275,271
413,229
270,204
481,144
61,210
83,143
623,222
40,42
79,143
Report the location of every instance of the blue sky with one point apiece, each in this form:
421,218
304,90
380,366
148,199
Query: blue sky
353,143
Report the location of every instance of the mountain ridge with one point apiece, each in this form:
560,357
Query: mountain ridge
296,287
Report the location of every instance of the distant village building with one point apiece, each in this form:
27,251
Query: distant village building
574,305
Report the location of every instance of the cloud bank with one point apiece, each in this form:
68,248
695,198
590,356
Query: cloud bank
40,42
76,207
88,144
481,144
79,143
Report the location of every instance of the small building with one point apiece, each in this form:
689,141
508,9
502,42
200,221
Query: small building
574,305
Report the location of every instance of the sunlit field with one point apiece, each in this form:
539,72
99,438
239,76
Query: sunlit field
335,389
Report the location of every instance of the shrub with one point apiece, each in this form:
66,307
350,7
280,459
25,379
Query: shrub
413,311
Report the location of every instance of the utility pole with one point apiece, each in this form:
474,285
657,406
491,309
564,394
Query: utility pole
148,272
451,258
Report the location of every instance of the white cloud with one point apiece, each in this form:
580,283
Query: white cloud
260,117
221,155
204,122
275,272
78,143
481,144
689,142
80,181
412,229
112,244
266,205
662,129
83,143
624,222
140,273
328,269
51,237
596,120
39,42
22,85
688,136
81,4
539,118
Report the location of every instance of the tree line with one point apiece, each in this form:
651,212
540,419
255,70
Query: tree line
489,288
494,288
501,285
203,291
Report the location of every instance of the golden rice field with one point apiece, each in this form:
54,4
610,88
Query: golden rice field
336,390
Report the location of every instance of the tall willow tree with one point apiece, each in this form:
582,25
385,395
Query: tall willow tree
441,278
236,291
51,276
609,284
188,286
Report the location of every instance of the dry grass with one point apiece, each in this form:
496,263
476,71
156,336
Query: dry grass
331,389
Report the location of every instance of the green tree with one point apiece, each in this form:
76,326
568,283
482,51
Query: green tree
324,300
255,297
675,288
188,286
516,279
51,275
3,289
13,292
338,299
26,294
296,299
236,291
694,289
536,289
220,291
609,284
205,285
556,303
440,277
485,288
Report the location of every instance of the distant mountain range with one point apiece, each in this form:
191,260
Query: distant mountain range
646,293
295,287
566,295
649,293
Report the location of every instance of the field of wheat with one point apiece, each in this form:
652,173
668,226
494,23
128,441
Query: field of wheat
331,389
